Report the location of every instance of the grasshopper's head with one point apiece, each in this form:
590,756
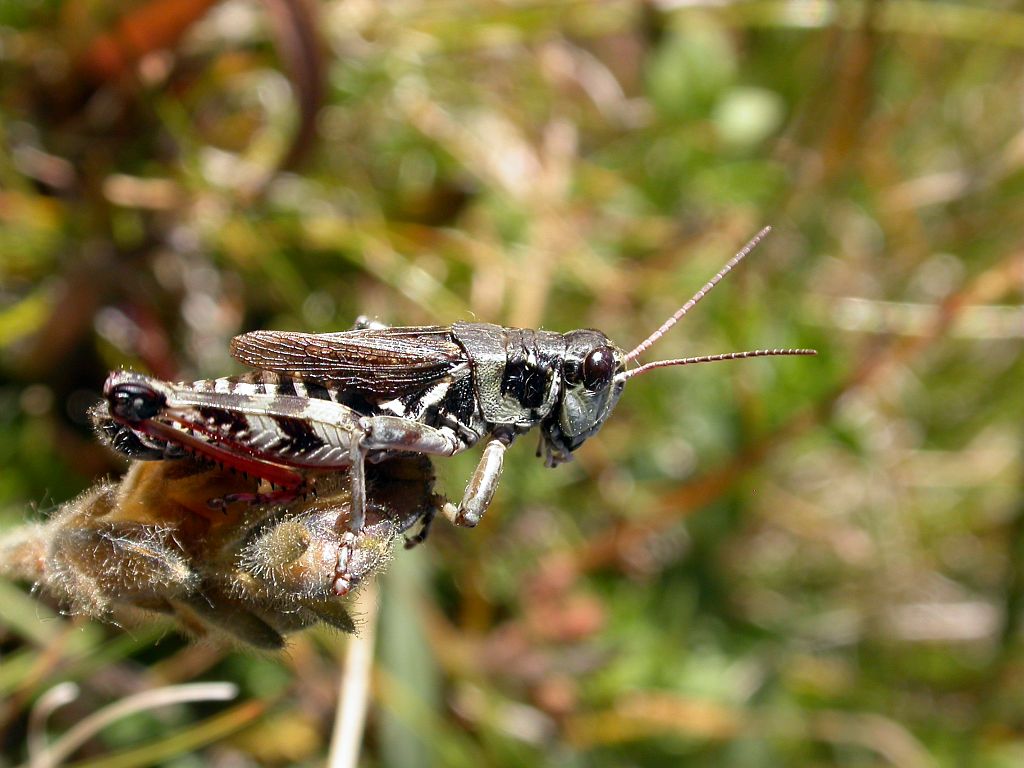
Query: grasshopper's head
591,386
594,374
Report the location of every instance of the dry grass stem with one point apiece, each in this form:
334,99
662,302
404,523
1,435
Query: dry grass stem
354,685
66,745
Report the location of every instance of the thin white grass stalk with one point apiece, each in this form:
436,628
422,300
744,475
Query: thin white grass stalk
48,703
65,746
354,688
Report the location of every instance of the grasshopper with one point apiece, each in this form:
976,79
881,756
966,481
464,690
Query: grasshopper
323,402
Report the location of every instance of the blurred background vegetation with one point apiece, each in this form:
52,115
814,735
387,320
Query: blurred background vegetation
775,562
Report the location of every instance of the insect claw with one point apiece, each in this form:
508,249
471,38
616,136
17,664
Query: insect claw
343,579
421,535
342,586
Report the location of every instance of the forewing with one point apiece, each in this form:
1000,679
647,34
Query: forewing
386,361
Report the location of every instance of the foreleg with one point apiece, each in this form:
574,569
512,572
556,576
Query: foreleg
481,487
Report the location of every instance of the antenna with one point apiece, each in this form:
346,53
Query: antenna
626,375
644,345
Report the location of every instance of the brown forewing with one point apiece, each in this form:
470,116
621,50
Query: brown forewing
385,361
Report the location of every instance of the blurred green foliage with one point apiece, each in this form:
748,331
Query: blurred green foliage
776,562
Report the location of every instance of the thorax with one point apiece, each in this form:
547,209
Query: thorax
516,372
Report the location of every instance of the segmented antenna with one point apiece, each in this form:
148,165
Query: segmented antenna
644,345
625,375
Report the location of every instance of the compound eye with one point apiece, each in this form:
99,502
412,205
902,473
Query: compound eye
598,369
133,402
